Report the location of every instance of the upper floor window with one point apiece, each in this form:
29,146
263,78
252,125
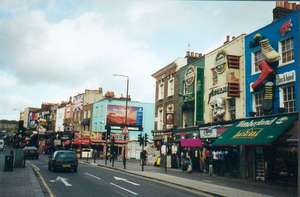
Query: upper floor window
287,51
161,91
257,56
288,101
232,108
258,101
160,118
171,87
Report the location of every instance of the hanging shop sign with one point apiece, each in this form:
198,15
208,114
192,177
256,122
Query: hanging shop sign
286,27
189,76
285,78
220,62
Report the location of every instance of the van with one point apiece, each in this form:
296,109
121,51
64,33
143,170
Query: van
1,144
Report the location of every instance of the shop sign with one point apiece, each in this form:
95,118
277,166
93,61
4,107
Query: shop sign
285,78
262,122
220,62
217,91
189,76
286,27
208,133
250,133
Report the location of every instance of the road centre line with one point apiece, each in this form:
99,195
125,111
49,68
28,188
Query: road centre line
91,175
127,190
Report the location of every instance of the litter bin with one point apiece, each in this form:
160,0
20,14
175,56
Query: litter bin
9,163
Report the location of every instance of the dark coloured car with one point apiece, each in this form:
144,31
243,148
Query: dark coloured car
63,160
30,152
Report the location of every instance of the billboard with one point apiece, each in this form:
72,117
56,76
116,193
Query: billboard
116,115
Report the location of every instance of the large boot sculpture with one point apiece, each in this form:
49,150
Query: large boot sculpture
267,50
266,71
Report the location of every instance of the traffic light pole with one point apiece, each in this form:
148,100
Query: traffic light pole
143,159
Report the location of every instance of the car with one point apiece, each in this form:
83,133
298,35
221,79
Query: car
2,145
63,160
30,152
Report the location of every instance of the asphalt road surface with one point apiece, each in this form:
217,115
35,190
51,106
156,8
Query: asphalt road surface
96,181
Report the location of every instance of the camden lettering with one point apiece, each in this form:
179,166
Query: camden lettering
251,133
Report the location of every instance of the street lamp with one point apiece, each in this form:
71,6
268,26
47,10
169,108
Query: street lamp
126,108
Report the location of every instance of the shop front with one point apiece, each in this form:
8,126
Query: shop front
263,148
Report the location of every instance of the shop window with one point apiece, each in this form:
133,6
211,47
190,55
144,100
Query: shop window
171,87
286,50
257,56
232,108
287,94
258,100
160,90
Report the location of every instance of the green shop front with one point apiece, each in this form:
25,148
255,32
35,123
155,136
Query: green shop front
267,147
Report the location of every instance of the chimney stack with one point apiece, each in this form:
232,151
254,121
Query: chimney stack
283,8
227,39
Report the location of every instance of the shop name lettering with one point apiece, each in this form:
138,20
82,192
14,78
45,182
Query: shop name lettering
251,133
217,91
285,78
254,123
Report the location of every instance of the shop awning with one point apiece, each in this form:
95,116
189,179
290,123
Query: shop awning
257,131
193,143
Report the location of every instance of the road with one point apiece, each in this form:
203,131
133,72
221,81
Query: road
96,181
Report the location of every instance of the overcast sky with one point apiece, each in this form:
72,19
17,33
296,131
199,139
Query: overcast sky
50,50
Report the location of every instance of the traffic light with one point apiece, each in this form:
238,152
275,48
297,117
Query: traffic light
146,139
140,139
108,131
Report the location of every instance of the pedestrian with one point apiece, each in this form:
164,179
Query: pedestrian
95,155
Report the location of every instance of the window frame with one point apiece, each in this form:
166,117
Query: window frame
171,86
284,94
254,63
161,92
280,46
258,109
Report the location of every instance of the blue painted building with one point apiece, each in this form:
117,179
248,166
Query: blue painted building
139,114
271,86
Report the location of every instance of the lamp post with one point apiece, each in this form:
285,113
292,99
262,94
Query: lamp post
126,108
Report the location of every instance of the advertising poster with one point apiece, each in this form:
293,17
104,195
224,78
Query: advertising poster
116,115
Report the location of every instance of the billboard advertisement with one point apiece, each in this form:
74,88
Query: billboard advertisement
116,115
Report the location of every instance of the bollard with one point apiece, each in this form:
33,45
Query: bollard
210,170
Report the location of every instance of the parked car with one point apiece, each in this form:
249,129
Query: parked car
2,145
63,160
30,152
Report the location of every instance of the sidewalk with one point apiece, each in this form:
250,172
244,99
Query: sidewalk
222,186
19,183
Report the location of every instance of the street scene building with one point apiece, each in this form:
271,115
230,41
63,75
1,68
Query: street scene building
221,119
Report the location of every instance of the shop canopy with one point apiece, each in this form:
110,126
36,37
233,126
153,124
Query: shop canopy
257,131
192,143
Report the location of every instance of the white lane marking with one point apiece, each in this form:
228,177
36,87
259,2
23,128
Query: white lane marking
64,181
91,175
125,180
127,190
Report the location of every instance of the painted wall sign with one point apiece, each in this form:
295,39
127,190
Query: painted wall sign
285,78
286,27
220,62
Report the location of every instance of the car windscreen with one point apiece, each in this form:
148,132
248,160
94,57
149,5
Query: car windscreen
65,156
